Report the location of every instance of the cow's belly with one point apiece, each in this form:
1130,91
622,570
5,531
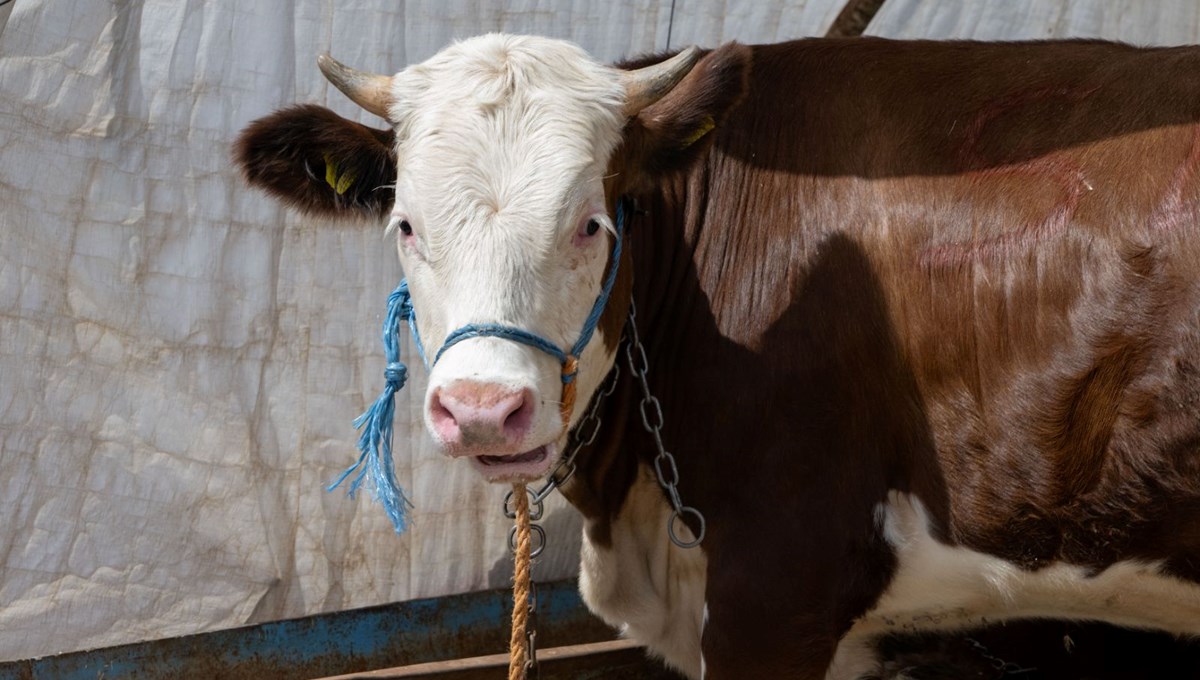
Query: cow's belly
654,591
942,587
650,589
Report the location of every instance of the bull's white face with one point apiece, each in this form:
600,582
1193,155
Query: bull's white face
498,151
501,217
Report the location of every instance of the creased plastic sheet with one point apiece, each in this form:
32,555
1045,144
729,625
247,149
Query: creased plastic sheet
1142,22
5,10
180,358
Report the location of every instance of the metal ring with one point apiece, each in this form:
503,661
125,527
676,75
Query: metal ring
679,514
541,540
540,544
535,502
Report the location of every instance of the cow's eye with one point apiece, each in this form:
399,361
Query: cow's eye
592,227
405,228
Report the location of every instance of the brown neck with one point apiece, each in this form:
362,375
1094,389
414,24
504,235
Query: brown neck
659,277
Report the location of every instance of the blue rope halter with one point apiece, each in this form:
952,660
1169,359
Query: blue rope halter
375,443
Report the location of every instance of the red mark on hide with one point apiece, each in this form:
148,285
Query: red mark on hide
1065,174
1174,209
1051,168
970,151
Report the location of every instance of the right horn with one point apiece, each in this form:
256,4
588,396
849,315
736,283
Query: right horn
647,85
370,91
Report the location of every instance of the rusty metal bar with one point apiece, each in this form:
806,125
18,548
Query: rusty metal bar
375,637
612,659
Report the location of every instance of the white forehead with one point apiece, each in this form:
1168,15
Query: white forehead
503,123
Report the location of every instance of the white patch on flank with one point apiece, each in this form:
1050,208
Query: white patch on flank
943,587
645,585
703,625
502,143
854,659
654,591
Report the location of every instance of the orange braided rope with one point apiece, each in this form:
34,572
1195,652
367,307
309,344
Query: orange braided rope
517,651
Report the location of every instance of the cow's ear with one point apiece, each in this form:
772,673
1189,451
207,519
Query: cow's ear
313,159
668,136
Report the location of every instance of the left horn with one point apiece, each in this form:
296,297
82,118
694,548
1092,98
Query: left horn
647,85
370,91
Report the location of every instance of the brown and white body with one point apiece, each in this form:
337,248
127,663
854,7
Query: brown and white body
924,319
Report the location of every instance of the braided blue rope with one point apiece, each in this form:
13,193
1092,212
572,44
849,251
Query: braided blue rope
593,318
495,330
479,330
375,443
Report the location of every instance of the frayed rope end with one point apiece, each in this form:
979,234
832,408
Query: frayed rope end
375,461
375,443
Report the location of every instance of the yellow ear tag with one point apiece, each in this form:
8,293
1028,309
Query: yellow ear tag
338,184
345,181
705,127
330,172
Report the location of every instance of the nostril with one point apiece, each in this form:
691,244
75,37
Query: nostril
517,422
443,418
473,415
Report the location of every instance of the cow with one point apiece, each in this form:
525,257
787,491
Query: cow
923,319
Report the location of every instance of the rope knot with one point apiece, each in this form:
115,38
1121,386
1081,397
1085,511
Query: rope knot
396,374
569,370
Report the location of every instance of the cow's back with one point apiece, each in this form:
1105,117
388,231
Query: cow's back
963,271
1030,215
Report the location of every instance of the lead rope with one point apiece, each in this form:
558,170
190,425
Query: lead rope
519,660
518,650
522,648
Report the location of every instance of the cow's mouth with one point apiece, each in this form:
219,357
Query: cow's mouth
516,467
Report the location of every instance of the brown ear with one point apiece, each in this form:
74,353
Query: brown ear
313,159
668,136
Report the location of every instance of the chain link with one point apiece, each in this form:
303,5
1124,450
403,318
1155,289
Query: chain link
582,435
588,429
664,463
1007,669
532,670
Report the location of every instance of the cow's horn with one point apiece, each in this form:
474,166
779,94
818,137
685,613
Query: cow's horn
647,85
370,91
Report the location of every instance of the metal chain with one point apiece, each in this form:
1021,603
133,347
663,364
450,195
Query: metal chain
582,435
1007,669
652,420
532,670
588,429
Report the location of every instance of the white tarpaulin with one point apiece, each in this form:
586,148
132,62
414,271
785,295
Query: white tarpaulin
180,358
1141,22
